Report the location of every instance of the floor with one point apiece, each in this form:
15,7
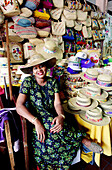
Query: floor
106,164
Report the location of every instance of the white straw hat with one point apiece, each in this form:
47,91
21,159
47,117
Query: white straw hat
84,103
49,49
38,59
90,75
104,81
94,92
91,117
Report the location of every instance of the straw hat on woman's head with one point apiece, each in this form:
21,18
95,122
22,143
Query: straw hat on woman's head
104,81
49,49
90,75
38,59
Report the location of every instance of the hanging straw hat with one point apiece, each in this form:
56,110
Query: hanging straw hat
49,49
94,92
84,103
104,81
38,59
95,117
90,75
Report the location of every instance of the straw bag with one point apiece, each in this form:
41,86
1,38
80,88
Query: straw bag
58,3
101,24
85,32
11,9
78,26
95,35
72,4
81,16
70,14
95,24
58,28
87,22
101,35
86,7
56,13
68,22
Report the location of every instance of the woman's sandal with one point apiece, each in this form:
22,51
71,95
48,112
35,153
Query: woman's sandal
94,147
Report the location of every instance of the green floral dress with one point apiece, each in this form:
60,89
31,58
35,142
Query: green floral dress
59,149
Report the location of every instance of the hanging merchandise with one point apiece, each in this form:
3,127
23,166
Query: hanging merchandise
80,40
78,26
86,7
85,31
73,4
16,52
41,13
95,24
87,22
1,17
95,35
70,47
81,16
70,14
10,8
56,13
58,28
69,35
101,35
43,32
41,23
47,4
101,24
22,21
28,50
58,3
68,22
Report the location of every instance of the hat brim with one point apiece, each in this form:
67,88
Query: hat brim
27,69
102,87
103,122
94,104
84,78
74,112
110,115
104,95
58,52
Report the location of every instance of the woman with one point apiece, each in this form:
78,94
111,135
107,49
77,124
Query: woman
55,143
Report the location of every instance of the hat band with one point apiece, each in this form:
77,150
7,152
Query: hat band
93,120
103,84
90,78
48,51
108,112
82,105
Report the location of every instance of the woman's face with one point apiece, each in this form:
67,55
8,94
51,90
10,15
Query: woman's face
40,71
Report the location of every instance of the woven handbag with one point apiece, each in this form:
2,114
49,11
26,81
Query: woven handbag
58,3
11,9
68,22
70,14
81,16
56,13
58,28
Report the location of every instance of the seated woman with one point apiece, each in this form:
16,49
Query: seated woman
55,142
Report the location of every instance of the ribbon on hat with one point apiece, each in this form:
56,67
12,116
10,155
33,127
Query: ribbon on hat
90,78
48,51
103,84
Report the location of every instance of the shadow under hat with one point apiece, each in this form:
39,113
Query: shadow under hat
36,59
49,49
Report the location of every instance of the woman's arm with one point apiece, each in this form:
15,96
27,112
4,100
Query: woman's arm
23,111
59,120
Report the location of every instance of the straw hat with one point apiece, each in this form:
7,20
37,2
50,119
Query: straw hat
38,59
67,109
84,103
107,108
90,75
94,92
97,112
104,81
50,49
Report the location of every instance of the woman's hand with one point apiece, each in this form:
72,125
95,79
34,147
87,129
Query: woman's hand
58,121
40,131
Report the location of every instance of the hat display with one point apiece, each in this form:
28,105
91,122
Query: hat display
38,59
90,75
49,49
95,117
83,102
86,63
107,108
104,81
81,55
94,92
67,109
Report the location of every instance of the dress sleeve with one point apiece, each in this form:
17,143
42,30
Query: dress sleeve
25,86
56,87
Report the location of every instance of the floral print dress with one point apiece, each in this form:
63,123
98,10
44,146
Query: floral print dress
59,149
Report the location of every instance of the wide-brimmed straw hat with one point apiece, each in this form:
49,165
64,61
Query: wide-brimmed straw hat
49,49
90,75
107,108
67,109
104,81
84,103
94,92
97,111
38,59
